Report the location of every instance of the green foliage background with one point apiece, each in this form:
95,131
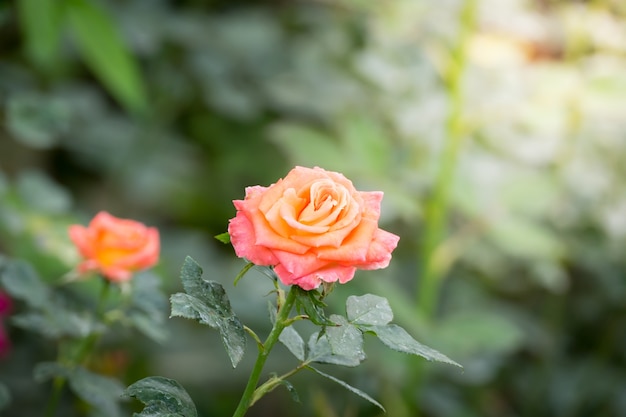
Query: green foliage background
495,128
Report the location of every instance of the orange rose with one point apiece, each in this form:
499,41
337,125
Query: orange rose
115,247
312,226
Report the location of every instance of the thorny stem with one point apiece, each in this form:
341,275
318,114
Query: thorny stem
282,321
273,382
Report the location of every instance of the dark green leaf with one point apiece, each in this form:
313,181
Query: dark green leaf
348,387
43,194
368,309
396,338
191,276
44,371
206,302
223,237
106,54
309,302
229,326
345,339
102,393
154,329
36,120
320,351
163,397
293,341
21,281
148,306
189,307
56,322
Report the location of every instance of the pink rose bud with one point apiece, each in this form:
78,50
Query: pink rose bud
115,247
312,226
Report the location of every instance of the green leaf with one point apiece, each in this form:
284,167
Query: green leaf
43,194
36,120
49,316
106,54
309,302
191,276
21,281
368,309
223,237
189,307
102,393
206,302
292,390
243,272
348,387
215,316
293,341
40,20
345,339
162,397
151,328
57,322
148,306
320,351
396,338
44,371
5,396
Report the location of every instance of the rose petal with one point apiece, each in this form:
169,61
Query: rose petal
312,281
266,236
117,274
80,236
299,265
379,251
145,254
243,240
355,247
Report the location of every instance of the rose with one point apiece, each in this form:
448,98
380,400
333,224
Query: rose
115,247
313,226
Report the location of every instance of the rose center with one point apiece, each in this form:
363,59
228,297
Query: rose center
327,202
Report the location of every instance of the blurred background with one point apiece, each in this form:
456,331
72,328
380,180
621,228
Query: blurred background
496,129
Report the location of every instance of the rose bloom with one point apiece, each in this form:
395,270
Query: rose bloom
115,247
313,226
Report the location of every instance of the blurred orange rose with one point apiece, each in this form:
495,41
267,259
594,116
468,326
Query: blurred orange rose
312,226
115,247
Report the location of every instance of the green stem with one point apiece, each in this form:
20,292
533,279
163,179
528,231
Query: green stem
57,388
264,350
437,206
436,213
82,352
273,382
